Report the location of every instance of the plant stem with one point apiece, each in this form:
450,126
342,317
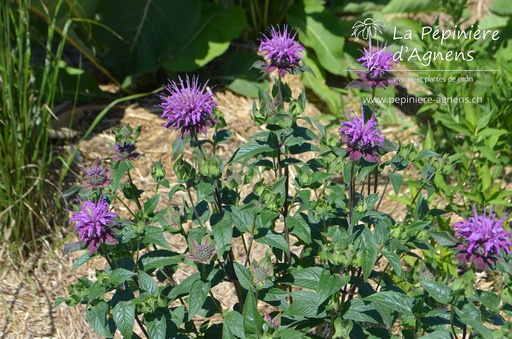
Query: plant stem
351,192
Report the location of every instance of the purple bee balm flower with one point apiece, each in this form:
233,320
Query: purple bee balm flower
482,238
378,61
203,252
95,224
189,107
96,177
362,139
125,151
281,50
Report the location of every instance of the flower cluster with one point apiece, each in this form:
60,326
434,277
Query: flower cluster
362,139
202,252
281,50
188,107
482,238
95,224
378,61
96,177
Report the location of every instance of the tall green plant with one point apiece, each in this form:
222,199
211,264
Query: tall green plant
26,98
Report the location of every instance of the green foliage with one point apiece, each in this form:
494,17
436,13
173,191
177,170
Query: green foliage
28,203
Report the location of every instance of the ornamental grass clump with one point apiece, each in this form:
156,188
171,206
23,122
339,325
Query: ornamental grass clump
335,264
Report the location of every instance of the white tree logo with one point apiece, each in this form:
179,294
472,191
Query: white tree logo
367,29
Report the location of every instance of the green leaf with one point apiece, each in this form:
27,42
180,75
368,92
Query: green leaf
250,149
489,154
409,6
80,261
399,302
97,316
426,154
439,334
97,290
147,283
253,321
222,229
118,171
394,261
437,290
489,300
159,259
396,180
322,32
501,7
243,276
120,275
198,293
299,227
183,287
238,75
154,235
443,238
124,317
151,204
211,38
233,325
367,249
357,310
157,325
329,284
470,315
302,308
272,238
305,278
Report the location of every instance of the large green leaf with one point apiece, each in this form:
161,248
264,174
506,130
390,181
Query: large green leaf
198,293
321,31
437,290
218,27
237,74
97,316
397,301
149,28
367,249
124,316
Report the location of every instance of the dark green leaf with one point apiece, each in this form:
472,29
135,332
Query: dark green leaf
305,278
198,293
299,227
396,180
437,290
271,238
443,238
367,249
329,284
470,315
489,300
243,276
124,317
222,229
147,283
394,261
159,259
154,235
120,275
399,302
253,321
183,287
233,325
157,325
250,149
97,290
150,204
97,316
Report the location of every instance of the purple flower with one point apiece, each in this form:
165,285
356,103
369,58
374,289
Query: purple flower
482,238
96,177
125,151
95,224
281,50
362,139
203,252
378,61
189,107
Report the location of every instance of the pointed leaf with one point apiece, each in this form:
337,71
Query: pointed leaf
124,317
